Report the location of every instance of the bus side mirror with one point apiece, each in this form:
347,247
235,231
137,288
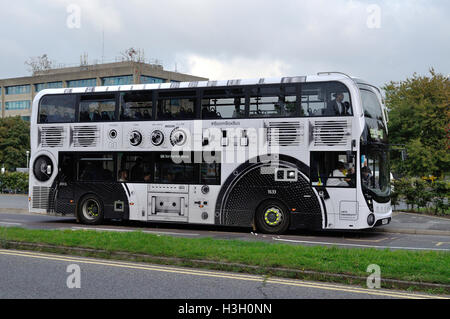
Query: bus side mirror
350,158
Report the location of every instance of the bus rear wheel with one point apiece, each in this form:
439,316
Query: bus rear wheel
272,217
90,210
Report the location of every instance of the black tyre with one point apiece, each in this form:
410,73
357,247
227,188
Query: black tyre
272,217
90,210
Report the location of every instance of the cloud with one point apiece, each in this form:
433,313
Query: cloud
235,67
93,13
234,38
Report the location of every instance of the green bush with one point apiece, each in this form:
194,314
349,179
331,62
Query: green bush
15,182
420,195
400,189
441,194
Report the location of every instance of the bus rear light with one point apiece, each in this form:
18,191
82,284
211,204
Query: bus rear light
29,199
131,204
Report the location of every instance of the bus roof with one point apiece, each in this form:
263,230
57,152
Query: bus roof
320,77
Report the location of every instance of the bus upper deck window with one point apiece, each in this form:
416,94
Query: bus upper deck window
136,106
176,105
176,109
326,99
223,104
57,109
274,101
97,108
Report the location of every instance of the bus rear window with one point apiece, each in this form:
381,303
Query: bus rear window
57,109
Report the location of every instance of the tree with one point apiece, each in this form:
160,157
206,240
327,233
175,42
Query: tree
14,142
133,55
419,111
39,64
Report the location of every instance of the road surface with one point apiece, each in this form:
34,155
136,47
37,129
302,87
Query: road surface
38,275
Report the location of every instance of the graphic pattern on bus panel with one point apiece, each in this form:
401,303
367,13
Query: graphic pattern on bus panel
241,196
109,192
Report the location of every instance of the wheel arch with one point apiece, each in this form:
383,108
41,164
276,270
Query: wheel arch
235,209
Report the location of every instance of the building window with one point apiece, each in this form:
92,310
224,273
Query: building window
98,108
52,85
118,80
19,89
26,118
17,105
149,80
82,83
57,109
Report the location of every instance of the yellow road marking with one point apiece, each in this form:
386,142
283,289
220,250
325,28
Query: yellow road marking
219,275
442,243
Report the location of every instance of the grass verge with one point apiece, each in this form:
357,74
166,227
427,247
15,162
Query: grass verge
277,259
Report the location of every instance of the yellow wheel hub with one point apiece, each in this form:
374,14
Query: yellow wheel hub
273,216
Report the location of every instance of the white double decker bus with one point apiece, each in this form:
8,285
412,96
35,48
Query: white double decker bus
308,152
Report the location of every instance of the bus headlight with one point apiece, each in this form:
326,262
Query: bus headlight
371,220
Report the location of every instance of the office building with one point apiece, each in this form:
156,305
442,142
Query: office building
17,94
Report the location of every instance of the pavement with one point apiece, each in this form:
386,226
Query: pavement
406,223
409,223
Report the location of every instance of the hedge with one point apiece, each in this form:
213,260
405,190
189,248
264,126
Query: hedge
422,195
15,182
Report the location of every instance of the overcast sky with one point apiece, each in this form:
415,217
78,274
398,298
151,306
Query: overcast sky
227,39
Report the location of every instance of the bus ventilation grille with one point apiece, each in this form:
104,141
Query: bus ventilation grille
331,133
284,133
51,136
86,136
41,197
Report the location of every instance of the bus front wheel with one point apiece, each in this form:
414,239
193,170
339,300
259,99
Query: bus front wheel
90,210
272,217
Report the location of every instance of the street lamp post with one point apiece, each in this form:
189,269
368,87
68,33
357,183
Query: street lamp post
28,155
